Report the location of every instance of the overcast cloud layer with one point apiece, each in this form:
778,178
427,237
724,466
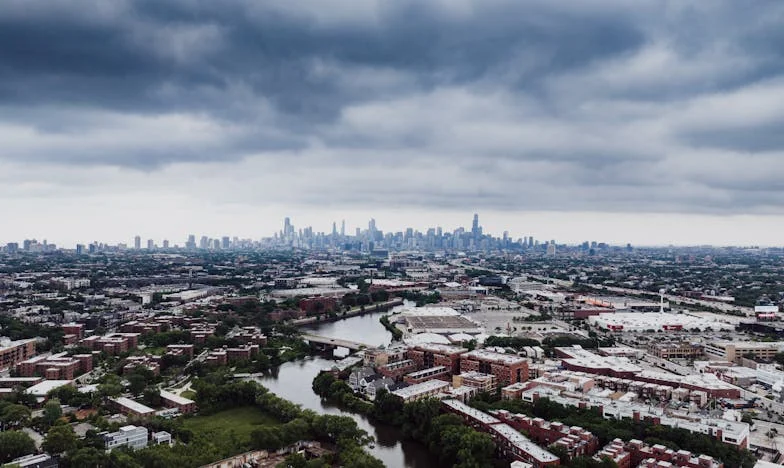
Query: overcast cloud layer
138,108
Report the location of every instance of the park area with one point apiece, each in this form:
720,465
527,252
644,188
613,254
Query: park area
242,421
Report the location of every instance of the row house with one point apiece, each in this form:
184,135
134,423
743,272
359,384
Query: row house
575,440
432,373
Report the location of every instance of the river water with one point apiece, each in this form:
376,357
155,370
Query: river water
293,380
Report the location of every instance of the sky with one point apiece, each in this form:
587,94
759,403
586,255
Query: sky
653,122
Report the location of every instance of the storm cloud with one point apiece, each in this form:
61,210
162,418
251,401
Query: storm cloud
598,105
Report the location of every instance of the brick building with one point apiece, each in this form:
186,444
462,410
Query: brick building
432,373
575,440
636,453
396,370
170,400
13,352
180,350
484,382
55,367
509,441
506,368
318,305
431,355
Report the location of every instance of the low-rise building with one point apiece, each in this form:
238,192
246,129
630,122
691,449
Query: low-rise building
432,373
38,460
427,389
733,350
510,442
507,368
482,382
396,370
161,437
132,408
575,440
430,355
171,400
134,437
13,352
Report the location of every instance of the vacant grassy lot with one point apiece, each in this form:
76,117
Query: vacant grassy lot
242,421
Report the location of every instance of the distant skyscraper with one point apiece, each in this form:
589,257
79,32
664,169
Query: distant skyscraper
343,228
150,244
165,243
79,249
191,244
225,243
334,228
137,242
475,225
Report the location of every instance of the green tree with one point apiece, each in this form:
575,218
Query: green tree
88,456
387,407
267,438
52,411
14,444
111,386
60,439
15,415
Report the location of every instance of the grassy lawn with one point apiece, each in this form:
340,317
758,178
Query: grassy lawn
242,421
155,350
190,394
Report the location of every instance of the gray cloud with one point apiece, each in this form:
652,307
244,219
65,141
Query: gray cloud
606,105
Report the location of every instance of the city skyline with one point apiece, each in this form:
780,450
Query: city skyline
340,226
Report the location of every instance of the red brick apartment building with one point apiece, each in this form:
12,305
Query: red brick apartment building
170,400
509,441
396,370
506,368
636,453
13,352
575,440
431,355
180,350
113,344
432,373
56,367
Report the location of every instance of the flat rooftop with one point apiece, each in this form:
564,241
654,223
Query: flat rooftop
41,389
473,412
424,387
507,359
440,322
175,398
133,405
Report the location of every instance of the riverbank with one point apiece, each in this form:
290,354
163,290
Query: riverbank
356,311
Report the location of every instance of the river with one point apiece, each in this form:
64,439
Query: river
292,381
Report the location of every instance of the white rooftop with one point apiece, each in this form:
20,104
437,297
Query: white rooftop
133,405
175,398
497,357
473,412
41,389
424,387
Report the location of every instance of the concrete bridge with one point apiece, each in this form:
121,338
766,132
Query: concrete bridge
332,343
